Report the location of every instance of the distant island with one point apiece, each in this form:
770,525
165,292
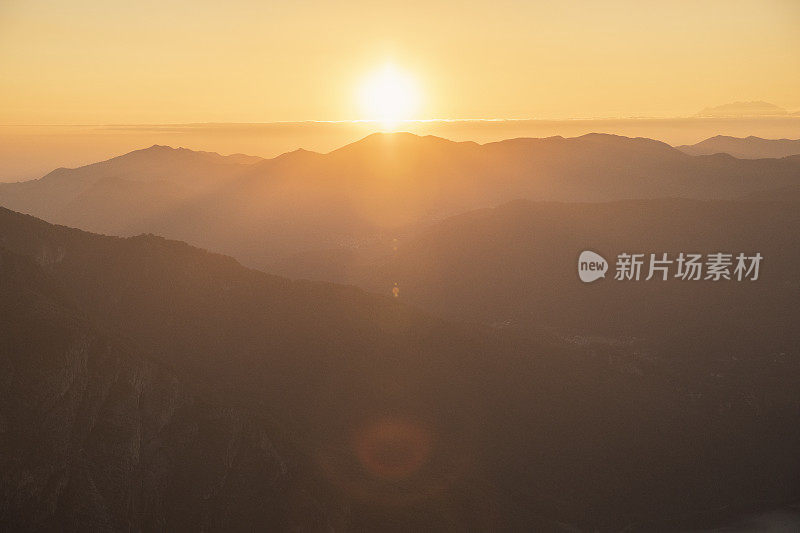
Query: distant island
743,109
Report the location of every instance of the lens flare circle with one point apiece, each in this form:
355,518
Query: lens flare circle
393,449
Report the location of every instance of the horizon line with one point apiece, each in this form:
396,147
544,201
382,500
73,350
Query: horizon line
410,121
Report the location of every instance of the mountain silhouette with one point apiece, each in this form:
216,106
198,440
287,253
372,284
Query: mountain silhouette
744,147
261,211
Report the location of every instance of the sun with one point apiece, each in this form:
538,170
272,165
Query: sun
389,96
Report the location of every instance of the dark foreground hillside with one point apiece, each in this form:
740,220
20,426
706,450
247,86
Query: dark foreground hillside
95,435
149,385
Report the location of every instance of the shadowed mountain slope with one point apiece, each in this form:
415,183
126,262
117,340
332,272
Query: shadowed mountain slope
96,435
236,364
517,263
183,390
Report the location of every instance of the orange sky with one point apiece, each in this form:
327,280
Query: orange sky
101,62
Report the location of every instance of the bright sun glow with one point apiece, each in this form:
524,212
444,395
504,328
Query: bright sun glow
389,96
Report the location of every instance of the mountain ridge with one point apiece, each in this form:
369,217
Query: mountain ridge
384,183
750,147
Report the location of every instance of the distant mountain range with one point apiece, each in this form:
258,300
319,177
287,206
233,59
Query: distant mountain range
744,148
262,210
743,109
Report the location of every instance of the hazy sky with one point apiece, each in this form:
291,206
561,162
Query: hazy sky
172,61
